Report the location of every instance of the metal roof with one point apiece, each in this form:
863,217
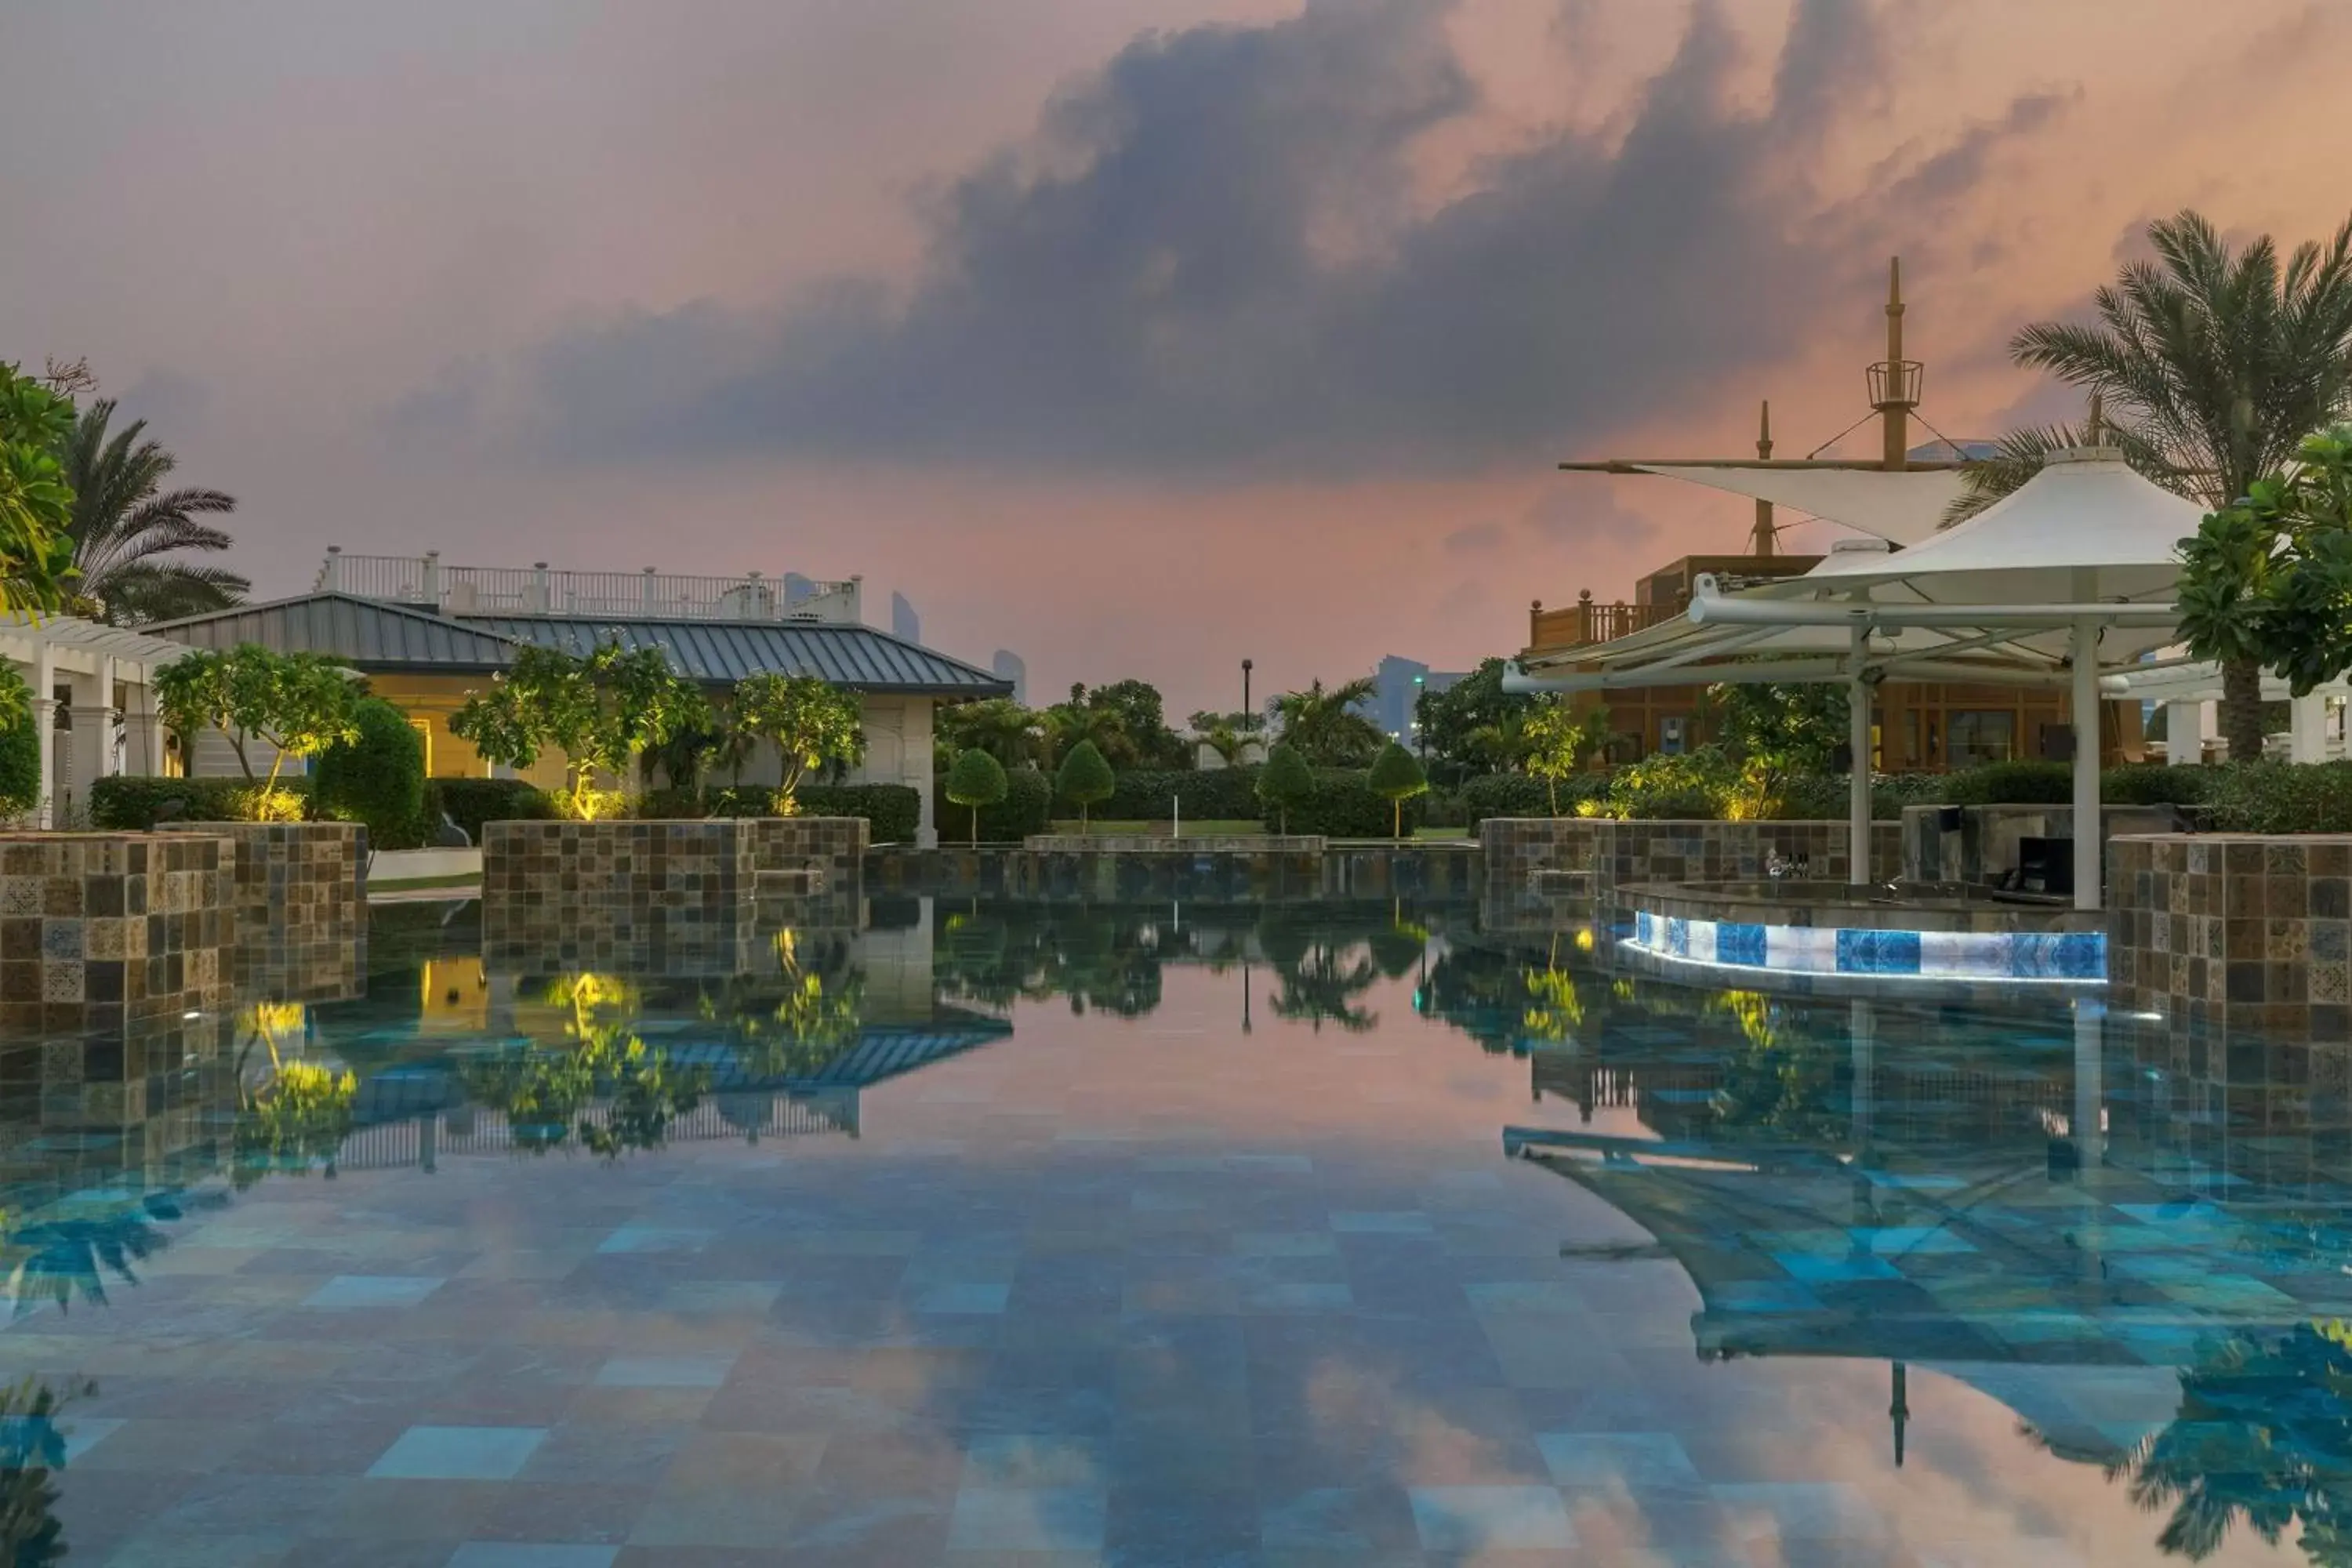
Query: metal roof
374,636
724,652
366,634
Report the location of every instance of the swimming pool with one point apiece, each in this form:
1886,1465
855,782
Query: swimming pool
1053,1234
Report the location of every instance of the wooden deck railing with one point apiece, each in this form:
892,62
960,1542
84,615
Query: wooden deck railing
1588,621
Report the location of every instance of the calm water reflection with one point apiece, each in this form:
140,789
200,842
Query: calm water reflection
1051,1234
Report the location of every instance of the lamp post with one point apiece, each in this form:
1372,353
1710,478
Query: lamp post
1249,718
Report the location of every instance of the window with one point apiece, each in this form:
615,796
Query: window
1981,737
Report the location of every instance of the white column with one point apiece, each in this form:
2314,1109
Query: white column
2090,1140
110,760
918,752
2086,765
2308,734
44,720
2186,726
1857,697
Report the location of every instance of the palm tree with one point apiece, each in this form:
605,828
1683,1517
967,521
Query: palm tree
124,523
1324,726
1011,734
2213,365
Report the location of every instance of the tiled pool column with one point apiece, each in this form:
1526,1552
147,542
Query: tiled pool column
2075,957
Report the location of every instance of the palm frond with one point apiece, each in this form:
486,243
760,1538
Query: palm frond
124,523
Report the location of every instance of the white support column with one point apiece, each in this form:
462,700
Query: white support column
2187,727
44,720
1857,697
2307,732
2087,826
2090,1103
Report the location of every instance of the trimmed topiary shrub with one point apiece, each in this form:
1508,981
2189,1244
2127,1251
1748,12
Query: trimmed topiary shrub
128,802
376,779
1084,780
470,802
2280,798
976,780
1396,778
1027,808
1283,783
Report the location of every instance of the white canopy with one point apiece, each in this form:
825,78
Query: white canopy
1905,506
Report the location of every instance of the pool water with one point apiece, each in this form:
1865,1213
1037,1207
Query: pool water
1048,1235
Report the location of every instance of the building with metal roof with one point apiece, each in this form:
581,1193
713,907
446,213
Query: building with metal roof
436,644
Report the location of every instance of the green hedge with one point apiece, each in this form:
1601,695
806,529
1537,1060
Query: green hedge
469,803
2158,783
1146,794
1027,808
1344,806
892,812
20,767
378,780
2279,798
1521,794
127,803
2012,783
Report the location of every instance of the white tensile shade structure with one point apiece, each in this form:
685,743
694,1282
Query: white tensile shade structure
1903,506
2081,562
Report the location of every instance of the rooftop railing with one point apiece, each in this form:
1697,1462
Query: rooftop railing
536,590
1589,621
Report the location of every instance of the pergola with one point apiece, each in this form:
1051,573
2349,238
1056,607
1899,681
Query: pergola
90,664
2070,579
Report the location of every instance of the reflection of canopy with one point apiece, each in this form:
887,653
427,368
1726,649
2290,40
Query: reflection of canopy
1903,505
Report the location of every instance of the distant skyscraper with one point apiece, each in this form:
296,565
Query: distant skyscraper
1006,665
1397,684
904,622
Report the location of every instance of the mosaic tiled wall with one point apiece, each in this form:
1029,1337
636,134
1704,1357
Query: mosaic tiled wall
835,846
301,906
2074,956
1628,852
625,896
1368,871
103,931
2234,931
1987,843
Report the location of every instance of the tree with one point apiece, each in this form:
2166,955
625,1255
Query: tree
21,784
297,703
1559,740
35,498
1397,778
2266,583
1227,734
1453,724
124,523
1284,781
377,777
976,780
1325,725
601,710
2212,365
1001,727
1774,733
1084,779
812,722
1138,715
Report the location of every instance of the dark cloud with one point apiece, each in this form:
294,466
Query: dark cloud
1477,539
1205,264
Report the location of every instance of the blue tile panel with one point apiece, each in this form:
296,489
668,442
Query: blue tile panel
2076,956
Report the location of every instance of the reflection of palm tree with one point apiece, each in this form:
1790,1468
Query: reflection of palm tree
58,1259
2264,1435
32,1446
1325,984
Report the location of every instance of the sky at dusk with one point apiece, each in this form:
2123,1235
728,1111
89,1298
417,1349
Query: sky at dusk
1135,337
